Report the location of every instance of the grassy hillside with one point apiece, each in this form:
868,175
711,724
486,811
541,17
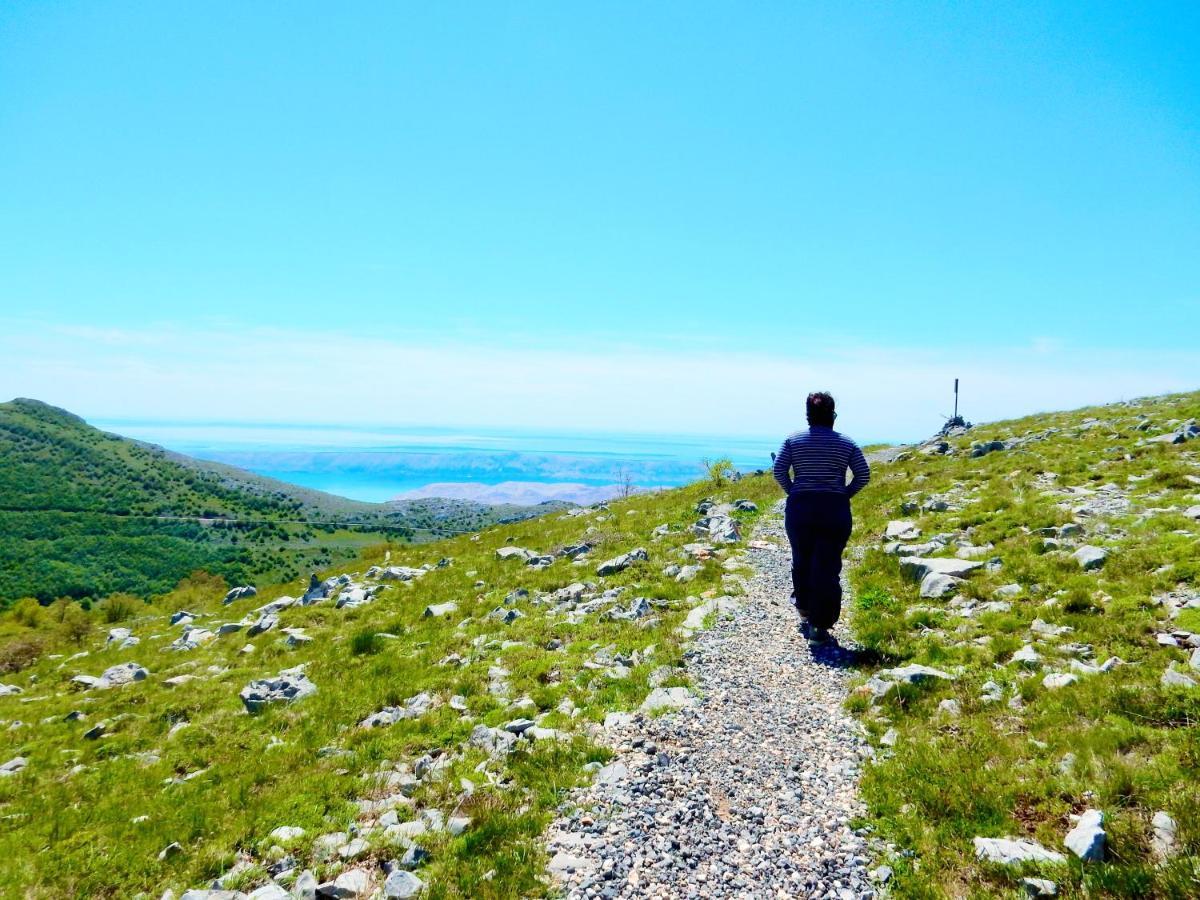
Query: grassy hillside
85,513
179,760
1013,755
178,785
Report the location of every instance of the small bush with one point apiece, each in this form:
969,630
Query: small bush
366,642
119,608
720,471
20,653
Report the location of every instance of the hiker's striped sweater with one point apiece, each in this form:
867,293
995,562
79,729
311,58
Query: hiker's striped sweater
818,459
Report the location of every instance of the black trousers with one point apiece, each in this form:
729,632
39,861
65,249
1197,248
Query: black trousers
818,525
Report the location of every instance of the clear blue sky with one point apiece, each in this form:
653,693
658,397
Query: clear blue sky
796,181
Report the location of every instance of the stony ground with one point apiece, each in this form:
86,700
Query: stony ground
749,793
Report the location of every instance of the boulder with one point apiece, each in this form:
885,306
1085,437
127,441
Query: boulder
719,529
414,707
493,741
1014,851
1165,840
622,562
917,567
983,448
886,679
515,553
696,618
667,699
348,885
264,623
1035,888
239,593
124,673
1056,680
1027,657
1173,679
399,573
1090,557
1087,839
437,610
901,530
935,585
286,687
13,766
401,884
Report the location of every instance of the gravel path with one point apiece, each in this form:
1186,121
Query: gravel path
748,794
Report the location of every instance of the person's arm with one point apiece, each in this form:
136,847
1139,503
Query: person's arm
783,462
860,470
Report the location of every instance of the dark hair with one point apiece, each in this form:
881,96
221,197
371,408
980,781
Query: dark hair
820,409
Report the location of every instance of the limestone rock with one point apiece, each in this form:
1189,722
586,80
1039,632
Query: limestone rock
667,699
1056,680
401,885
1165,840
935,585
622,562
917,567
1087,839
1014,851
288,686
1090,557
239,593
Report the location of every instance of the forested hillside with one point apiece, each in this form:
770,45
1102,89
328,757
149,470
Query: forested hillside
84,513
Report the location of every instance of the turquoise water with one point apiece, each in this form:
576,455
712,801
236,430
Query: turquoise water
377,463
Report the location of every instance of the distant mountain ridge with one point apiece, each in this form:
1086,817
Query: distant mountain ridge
84,512
522,492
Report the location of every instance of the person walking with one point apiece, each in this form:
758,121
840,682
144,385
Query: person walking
811,468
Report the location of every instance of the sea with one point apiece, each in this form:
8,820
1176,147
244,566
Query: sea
380,463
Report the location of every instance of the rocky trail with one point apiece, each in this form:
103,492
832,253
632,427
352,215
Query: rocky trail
748,792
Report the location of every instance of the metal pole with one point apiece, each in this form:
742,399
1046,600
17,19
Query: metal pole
955,398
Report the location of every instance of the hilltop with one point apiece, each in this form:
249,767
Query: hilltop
615,702
85,513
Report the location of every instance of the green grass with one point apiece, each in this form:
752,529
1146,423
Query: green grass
260,772
996,770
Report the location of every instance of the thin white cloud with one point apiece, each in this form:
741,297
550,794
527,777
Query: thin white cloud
280,375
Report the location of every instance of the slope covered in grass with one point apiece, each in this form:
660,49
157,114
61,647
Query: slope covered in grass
1012,754
178,760
84,513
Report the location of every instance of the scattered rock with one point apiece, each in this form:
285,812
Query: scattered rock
239,593
1173,679
1087,839
622,562
1056,680
1090,557
401,884
1014,851
286,687
1039,887
1165,840
667,699
916,567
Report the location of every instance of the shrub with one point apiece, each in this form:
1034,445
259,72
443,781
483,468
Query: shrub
719,471
366,641
28,612
16,654
119,608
